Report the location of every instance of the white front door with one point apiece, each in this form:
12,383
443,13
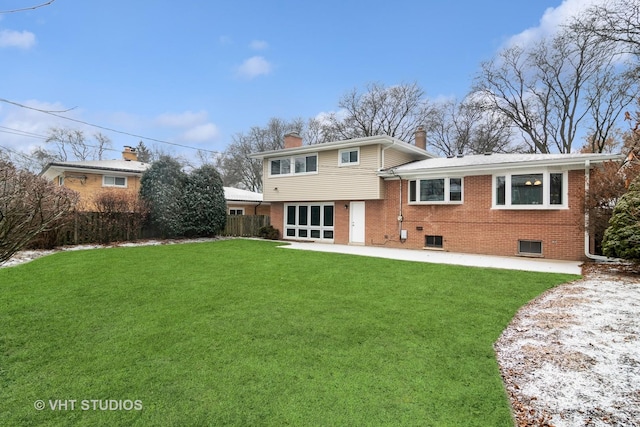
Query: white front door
356,221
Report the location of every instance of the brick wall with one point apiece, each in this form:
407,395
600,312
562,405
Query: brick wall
473,227
88,185
249,209
276,214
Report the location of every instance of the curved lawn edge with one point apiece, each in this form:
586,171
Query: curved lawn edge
237,332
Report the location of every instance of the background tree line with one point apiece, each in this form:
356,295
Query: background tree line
567,92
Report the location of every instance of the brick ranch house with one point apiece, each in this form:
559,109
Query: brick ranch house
381,191
90,178
244,202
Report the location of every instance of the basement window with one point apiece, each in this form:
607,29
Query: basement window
530,247
433,242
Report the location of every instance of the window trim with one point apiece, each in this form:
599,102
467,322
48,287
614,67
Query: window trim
350,163
292,165
305,231
104,183
436,238
237,210
530,254
447,191
546,190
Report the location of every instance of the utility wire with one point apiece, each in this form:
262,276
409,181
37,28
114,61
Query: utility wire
13,131
28,8
55,114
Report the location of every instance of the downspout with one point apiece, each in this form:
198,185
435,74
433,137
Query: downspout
255,209
393,172
400,217
587,237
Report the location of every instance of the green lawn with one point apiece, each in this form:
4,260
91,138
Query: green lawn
243,333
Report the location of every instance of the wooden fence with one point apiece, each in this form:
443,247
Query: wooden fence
99,228
245,225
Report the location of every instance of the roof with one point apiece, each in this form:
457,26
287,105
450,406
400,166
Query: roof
238,195
126,167
347,143
484,164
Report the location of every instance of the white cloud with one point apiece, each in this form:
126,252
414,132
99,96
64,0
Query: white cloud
196,125
201,133
254,67
185,119
19,39
258,45
551,21
24,129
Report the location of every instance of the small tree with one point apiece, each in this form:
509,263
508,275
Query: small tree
161,189
204,207
29,205
622,238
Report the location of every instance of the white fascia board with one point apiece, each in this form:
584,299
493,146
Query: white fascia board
348,143
569,163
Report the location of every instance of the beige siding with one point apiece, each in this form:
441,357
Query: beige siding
393,157
332,182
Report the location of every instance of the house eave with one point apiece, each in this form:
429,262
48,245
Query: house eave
62,167
569,163
384,140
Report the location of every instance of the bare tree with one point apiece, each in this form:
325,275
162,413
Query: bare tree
564,84
319,130
616,21
237,168
103,143
29,205
467,127
71,144
394,111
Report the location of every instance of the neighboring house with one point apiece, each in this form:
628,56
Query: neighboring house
90,178
244,202
380,191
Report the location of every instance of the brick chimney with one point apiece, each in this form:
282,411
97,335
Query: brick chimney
421,138
292,140
129,154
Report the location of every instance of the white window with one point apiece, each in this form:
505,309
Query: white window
434,191
114,181
535,190
236,211
301,165
309,221
349,157
61,180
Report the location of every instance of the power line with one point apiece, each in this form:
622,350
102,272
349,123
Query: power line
24,9
104,127
19,132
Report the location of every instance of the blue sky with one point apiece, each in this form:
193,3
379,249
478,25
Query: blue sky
198,72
